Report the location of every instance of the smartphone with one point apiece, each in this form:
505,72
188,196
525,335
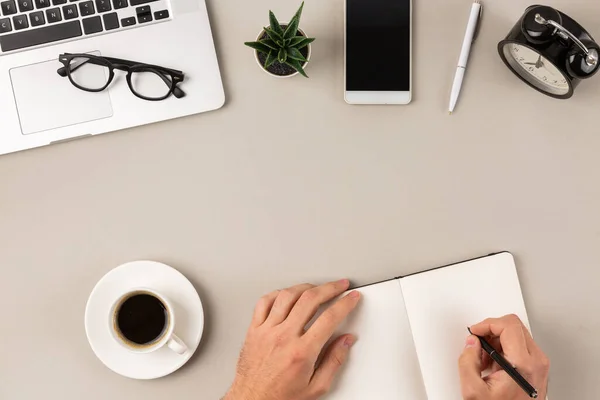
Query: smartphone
378,51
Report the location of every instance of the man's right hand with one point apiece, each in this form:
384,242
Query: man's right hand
511,338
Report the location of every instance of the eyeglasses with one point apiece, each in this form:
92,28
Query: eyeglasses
94,73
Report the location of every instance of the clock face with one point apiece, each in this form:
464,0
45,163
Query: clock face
536,69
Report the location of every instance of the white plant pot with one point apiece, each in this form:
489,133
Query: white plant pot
281,76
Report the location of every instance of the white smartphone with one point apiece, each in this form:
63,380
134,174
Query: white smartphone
378,51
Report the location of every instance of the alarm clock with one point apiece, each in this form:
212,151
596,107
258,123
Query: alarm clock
550,52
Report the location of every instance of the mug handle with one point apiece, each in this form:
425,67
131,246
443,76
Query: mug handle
177,345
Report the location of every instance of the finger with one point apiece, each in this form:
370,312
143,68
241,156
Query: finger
488,362
334,357
284,302
510,330
310,301
500,382
495,368
528,338
263,308
324,327
470,367
495,342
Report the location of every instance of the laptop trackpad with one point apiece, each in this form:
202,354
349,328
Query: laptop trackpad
45,100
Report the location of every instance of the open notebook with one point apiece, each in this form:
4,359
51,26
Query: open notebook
411,330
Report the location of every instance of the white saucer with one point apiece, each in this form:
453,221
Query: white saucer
164,279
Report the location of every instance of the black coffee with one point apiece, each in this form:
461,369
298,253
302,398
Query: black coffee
142,318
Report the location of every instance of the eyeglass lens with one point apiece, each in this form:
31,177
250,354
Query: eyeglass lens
150,83
89,75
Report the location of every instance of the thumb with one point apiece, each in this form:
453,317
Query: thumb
334,357
470,367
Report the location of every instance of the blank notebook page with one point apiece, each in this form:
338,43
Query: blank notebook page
442,303
382,364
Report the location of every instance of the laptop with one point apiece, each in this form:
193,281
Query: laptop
39,107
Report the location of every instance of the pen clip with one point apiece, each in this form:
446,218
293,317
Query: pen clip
478,26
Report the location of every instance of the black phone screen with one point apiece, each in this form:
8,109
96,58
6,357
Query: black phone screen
378,45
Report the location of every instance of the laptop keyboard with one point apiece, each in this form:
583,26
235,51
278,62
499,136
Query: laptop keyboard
28,23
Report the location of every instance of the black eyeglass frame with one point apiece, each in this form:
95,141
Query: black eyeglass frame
123,65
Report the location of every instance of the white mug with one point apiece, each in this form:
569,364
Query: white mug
166,337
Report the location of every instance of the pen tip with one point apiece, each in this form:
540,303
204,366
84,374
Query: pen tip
449,112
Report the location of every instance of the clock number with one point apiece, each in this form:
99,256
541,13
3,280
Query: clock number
555,81
530,68
521,59
545,78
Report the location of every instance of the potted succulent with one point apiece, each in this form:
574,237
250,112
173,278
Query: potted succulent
282,50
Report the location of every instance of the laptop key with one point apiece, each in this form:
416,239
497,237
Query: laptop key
8,7
144,18
92,25
128,21
20,22
142,10
53,15
70,11
37,18
42,3
34,37
25,5
5,25
117,4
86,8
161,14
58,2
103,5
111,21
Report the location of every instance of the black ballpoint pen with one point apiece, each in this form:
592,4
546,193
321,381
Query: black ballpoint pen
507,367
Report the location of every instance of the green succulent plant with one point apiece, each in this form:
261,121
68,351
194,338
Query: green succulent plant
283,45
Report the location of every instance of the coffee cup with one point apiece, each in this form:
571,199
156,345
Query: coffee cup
143,320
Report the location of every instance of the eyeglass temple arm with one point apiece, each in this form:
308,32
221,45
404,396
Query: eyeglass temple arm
117,64
133,63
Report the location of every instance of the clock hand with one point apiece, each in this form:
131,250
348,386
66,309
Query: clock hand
539,63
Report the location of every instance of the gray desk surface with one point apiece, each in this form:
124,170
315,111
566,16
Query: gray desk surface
287,184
